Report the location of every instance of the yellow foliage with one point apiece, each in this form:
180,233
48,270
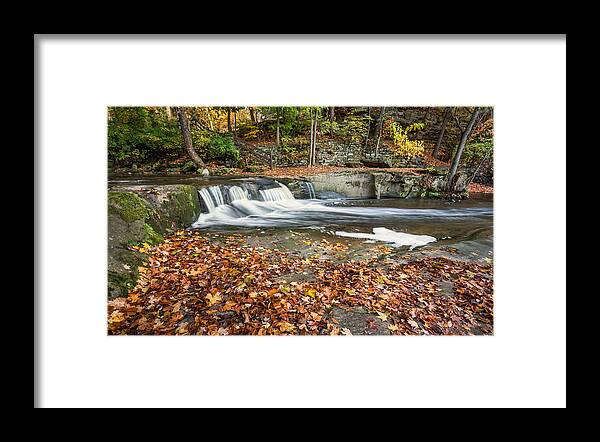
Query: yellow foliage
402,145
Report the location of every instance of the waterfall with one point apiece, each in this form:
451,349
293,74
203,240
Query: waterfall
268,203
215,191
224,198
208,201
212,197
236,193
276,194
311,190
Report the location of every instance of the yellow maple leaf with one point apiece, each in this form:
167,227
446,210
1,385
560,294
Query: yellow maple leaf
393,327
382,316
213,299
311,292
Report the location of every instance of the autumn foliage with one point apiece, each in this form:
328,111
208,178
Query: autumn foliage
195,286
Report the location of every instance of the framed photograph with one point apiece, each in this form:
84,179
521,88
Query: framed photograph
300,221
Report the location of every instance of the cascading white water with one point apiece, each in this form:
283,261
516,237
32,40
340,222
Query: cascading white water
311,190
208,201
236,193
215,191
212,197
249,206
276,194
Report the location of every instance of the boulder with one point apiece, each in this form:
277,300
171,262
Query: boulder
138,215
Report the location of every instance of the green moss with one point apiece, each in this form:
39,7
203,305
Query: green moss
152,237
128,206
183,205
119,284
254,169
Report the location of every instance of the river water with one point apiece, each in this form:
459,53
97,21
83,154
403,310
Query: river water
267,214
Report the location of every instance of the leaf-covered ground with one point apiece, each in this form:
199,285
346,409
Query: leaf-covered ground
192,285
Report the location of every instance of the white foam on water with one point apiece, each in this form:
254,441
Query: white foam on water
397,239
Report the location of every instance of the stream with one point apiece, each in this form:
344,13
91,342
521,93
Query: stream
268,214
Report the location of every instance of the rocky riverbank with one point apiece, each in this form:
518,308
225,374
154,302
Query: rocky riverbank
143,215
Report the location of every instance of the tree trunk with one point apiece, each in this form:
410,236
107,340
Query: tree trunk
187,139
331,118
235,121
278,138
368,127
447,114
228,119
315,141
310,149
461,147
379,131
313,138
169,113
252,115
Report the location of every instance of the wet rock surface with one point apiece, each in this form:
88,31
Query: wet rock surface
359,321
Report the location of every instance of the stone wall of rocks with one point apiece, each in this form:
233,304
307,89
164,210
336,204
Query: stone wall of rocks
379,184
341,153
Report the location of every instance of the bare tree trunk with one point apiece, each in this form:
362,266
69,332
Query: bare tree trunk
447,114
368,126
252,115
459,151
169,113
228,119
379,132
315,140
278,138
331,119
187,139
310,149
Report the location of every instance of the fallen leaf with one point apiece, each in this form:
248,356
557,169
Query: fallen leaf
382,316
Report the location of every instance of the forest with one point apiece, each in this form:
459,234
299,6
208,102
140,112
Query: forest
233,140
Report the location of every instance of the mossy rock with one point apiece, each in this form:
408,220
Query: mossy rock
152,237
129,206
119,284
141,216
176,207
